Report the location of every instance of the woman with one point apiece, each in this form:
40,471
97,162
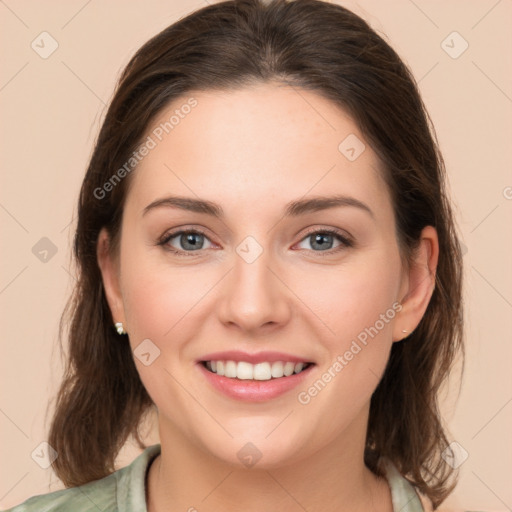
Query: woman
268,258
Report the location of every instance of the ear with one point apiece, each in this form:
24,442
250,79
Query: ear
109,267
418,284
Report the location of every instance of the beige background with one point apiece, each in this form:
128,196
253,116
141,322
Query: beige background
51,110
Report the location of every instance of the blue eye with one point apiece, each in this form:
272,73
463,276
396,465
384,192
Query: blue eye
192,241
324,239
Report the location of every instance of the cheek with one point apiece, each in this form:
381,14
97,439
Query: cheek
153,307
355,310
161,305
158,297
359,310
351,298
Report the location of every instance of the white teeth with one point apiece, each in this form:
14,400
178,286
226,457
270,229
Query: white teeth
261,371
244,370
277,369
288,369
230,369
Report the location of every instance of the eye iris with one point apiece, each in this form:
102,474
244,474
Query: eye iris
320,238
188,238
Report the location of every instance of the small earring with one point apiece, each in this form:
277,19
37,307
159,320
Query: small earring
120,328
403,330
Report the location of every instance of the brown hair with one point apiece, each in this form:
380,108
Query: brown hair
306,43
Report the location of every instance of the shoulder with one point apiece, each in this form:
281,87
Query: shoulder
97,495
122,490
404,495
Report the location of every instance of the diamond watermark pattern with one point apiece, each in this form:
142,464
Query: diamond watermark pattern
44,455
454,45
351,147
249,455
44,250
44,45
454,455
146,352
249,249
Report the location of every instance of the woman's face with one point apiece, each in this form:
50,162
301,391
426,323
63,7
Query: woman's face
263,280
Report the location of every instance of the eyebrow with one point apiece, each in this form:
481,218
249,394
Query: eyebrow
292,209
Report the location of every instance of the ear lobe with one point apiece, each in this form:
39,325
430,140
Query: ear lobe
421,278
110,275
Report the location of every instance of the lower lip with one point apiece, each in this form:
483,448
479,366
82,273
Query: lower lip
254,390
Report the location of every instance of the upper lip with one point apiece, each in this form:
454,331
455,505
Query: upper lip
258,357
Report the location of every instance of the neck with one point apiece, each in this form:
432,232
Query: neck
185,477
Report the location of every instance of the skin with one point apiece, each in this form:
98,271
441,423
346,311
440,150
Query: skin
253,150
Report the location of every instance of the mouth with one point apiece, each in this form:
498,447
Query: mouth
264,371
259,382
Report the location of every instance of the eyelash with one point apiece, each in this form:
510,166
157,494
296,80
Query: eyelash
345,241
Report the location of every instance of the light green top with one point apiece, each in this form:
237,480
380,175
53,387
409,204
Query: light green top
124,491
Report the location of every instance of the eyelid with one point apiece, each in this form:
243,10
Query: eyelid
179,231
327,229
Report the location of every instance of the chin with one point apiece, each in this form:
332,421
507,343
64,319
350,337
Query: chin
258,452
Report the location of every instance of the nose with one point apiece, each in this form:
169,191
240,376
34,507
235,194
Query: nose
255,297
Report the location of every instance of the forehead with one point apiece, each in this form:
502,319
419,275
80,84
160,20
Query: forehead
267,142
